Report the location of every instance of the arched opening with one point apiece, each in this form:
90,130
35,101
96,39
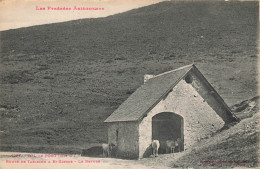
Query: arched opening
167,126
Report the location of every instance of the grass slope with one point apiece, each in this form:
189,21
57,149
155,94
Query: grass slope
59,82
237,146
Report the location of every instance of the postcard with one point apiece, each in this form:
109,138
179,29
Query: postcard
129,84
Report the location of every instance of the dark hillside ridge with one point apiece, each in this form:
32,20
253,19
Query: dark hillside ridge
59,82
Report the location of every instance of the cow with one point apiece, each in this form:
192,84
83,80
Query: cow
107,149
171,144
178,143
155,147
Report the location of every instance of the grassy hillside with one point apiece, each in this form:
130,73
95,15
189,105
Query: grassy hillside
59,82
237,146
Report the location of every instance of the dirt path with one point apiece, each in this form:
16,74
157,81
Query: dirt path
13,160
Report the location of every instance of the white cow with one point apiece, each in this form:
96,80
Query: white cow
107,149
155,147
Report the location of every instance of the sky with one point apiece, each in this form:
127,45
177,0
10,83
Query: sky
23,13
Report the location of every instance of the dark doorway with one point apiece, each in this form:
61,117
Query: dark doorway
167,126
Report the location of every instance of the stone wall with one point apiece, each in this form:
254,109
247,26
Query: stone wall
127,141
200,120
210,95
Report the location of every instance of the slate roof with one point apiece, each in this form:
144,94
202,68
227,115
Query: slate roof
148,95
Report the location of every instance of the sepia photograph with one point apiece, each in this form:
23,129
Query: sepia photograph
129,84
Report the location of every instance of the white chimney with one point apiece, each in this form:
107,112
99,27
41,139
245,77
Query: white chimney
147,77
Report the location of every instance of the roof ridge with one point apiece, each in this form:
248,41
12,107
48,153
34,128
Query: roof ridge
172,86
183,67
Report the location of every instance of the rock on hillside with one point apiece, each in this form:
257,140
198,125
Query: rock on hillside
246,108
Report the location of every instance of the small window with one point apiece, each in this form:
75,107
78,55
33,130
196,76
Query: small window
188,79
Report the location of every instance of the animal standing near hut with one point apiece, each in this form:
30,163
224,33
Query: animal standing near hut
172,144
107,149
155,147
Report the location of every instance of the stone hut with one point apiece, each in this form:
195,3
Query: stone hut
177,104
